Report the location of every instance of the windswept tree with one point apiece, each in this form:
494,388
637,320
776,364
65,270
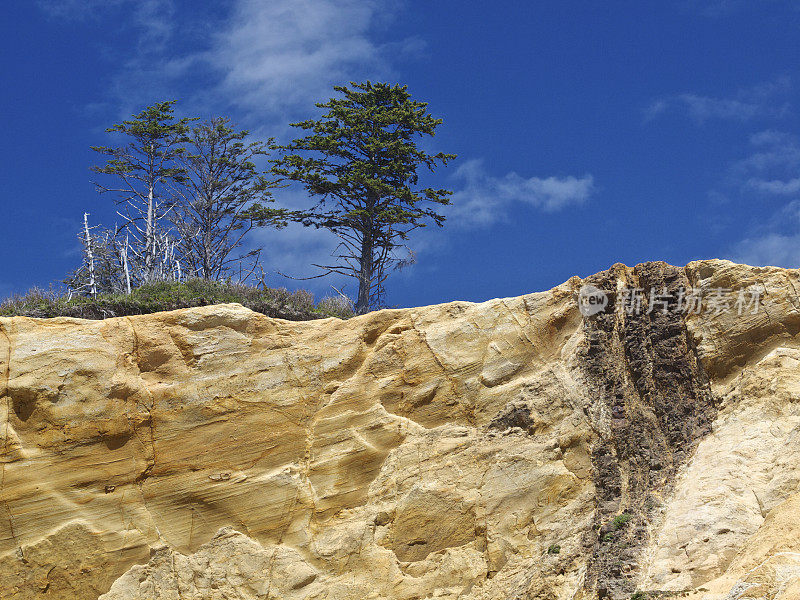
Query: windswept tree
144,170
221,198
361,159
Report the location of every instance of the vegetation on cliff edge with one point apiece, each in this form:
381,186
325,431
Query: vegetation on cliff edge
149,298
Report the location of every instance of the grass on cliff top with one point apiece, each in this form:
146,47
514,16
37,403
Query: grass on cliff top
273,302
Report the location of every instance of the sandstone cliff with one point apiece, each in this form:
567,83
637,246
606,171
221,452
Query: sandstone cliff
508,449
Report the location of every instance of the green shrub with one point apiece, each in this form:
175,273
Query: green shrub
620,521
554,549
274,302
336,306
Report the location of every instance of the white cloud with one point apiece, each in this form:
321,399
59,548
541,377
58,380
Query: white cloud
774,249
156,19
772,168
153,18
775,242
276,55
482,200
267,62
775,186
714,8
775,151
764,100
771,137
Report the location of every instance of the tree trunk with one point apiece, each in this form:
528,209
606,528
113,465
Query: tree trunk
89,255
149,239
364,275
124,253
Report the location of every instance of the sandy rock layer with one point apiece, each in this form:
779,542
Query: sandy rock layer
508,449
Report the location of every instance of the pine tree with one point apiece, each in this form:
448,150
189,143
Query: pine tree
145,169
362,160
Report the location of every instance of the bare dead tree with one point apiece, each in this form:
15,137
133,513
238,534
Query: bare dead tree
123,254
221,198
99,271
88,249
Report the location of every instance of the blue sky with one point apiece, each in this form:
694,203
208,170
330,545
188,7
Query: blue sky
588,133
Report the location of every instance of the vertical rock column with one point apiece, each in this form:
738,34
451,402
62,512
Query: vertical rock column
651,405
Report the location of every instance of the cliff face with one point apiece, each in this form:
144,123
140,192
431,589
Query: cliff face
509,449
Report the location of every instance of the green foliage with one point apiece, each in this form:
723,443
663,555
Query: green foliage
608,537
154,139
362,161
275,302
144,171
554,549
639,596
620,521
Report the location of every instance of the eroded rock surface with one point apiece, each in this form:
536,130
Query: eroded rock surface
508,449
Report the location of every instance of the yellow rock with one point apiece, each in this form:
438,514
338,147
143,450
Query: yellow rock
450,451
